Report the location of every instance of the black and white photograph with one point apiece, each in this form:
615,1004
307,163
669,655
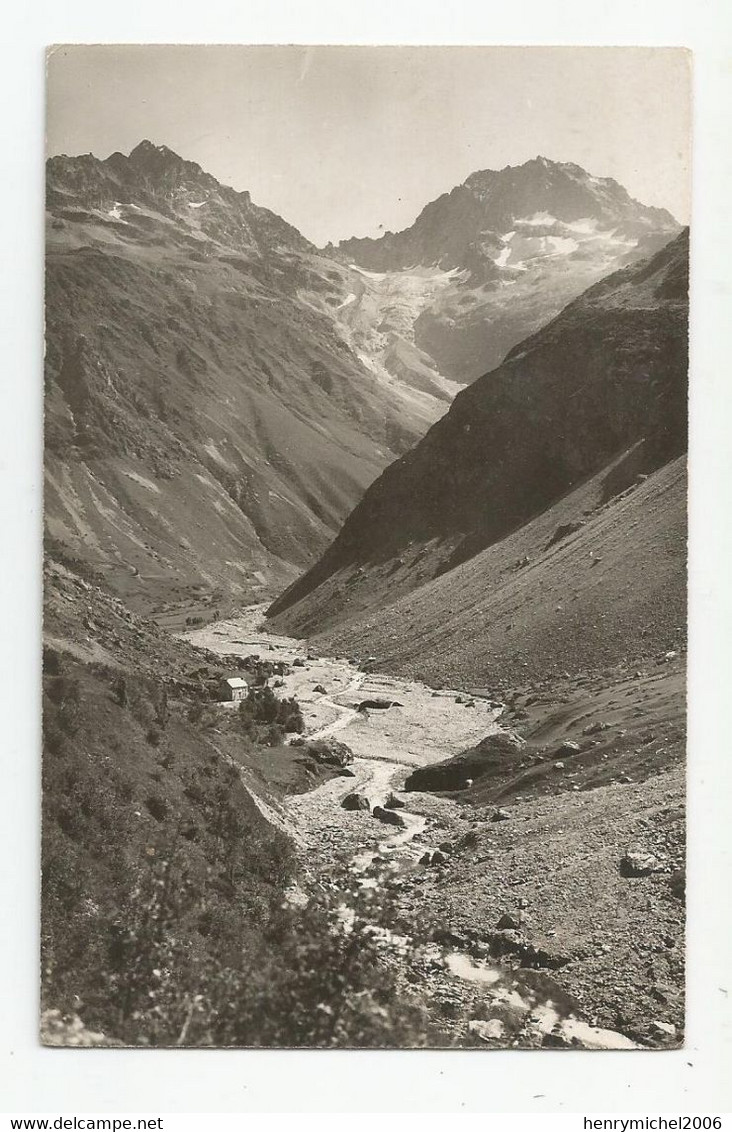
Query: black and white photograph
365,547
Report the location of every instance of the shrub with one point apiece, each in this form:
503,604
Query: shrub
119,691
65,693
159,699
183,967
267,719
156,807
315,983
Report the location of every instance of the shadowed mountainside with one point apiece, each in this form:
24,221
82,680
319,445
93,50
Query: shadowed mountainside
612,590
598,398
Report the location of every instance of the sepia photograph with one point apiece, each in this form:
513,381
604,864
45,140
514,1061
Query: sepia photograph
365,547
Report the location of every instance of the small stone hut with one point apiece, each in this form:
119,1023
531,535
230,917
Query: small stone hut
234,688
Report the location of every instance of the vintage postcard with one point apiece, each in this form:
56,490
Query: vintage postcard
365,547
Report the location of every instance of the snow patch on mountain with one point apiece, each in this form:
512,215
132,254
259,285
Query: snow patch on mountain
561,245
538,219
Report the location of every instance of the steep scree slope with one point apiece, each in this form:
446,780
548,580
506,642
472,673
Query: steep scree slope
207,425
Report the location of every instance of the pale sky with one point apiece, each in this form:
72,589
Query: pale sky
349,141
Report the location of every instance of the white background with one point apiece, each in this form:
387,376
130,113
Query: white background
55,1081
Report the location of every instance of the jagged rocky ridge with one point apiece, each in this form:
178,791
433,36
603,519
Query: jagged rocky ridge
520,243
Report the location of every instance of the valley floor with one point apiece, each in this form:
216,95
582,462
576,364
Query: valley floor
589,955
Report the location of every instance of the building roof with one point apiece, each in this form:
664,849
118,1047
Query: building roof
236,682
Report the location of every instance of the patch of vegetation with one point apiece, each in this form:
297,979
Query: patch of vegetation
164,912
56,550
301,981
267,719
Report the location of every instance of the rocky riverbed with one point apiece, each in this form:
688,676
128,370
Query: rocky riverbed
513,956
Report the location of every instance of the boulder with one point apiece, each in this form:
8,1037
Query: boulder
567,748
356,802
663,1029
639,863
500,815
502,742
556,1040
393,803
378,703
319,688
595,728
488,1031
507,922
330,752
298,662
495,755
564,530
677,884
388,816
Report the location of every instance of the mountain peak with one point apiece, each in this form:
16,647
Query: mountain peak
146,147
149,156
546,227
154,178
531,166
